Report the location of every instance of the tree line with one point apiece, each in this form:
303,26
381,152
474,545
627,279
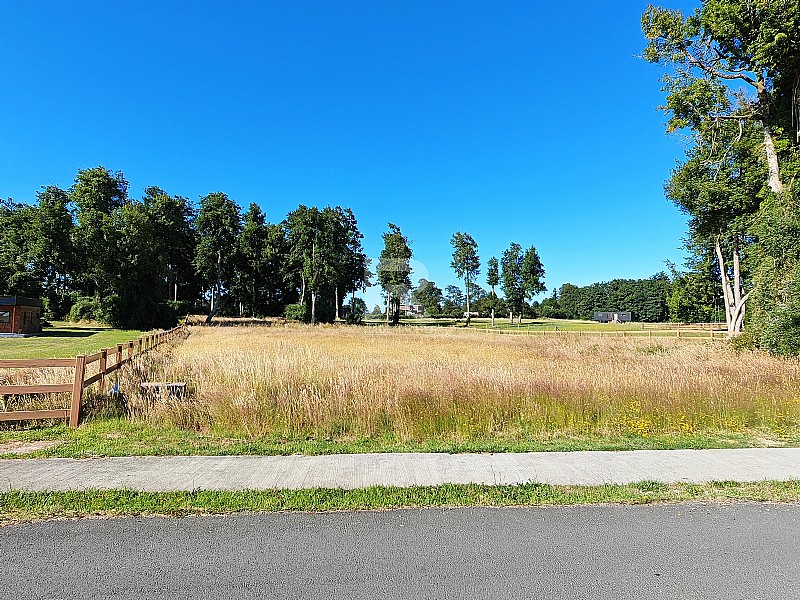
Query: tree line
92,252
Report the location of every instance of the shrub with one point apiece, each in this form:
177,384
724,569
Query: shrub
296,312
86,308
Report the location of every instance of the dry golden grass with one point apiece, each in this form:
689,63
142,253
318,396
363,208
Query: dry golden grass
419,384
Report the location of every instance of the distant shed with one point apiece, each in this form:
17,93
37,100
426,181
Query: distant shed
20,316
613,316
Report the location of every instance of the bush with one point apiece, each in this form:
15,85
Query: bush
86,308
296,312
358,308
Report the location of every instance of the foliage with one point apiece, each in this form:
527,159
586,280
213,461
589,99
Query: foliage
732,83
646,299
296,312
429,296
521,276
394,269
465,262
357,310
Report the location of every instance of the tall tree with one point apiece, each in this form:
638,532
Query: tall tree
465,262
172,219
521,277
218,227
97,194
492,280
532,274
394,270
723,49
52,252
733,84
429,296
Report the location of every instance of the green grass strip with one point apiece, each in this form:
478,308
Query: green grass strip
19,506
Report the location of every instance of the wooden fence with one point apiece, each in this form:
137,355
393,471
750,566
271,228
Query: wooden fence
680,332
109,359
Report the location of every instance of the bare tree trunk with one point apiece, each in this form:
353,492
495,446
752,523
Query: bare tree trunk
388,305
468,315
215,297
775,183
216,290
336,300
493,316
313,307
303,291
510,316
732,297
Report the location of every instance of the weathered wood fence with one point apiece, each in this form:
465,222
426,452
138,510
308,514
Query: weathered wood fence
110,360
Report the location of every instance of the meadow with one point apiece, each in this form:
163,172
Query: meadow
292,388
417,384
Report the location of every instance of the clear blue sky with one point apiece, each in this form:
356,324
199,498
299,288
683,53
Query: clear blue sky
525,121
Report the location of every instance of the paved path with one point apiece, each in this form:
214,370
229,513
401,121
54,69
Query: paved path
156,473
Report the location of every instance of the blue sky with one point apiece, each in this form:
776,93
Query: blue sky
530,122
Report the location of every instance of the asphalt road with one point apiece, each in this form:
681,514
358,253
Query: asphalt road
746,551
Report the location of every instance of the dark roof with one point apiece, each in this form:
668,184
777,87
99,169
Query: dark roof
19,301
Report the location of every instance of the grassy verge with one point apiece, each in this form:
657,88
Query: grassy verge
18,506
113,437
65,340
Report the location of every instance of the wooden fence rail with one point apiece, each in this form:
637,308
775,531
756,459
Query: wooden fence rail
648,333
110,360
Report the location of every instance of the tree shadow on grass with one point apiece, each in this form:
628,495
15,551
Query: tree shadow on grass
69,333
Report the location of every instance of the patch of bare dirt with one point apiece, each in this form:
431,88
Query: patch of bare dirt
26,447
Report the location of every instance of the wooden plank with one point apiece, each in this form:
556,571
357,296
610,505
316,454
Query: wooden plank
112,368
77,390
42,388
91,358
13,363
93,379
25,415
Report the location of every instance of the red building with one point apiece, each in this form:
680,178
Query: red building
20,316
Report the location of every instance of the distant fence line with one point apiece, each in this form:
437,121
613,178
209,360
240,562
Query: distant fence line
678,332
109,359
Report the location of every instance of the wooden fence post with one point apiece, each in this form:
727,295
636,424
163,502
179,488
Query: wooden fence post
130,350
77,390
103,364
119,355
139,345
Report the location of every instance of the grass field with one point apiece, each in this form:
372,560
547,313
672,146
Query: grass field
285,389
65,340
443,384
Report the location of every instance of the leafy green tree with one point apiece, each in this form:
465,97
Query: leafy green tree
429,296
724,48
732,82
97,194
254,259
493,280
465,262
352,269
521,277
52,254
454,301
135,297
394,270
16,235
218,227
532,274
172,219
511,279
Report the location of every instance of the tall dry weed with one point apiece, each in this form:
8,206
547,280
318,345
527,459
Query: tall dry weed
423,383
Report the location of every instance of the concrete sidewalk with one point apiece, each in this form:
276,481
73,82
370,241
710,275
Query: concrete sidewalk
348,471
